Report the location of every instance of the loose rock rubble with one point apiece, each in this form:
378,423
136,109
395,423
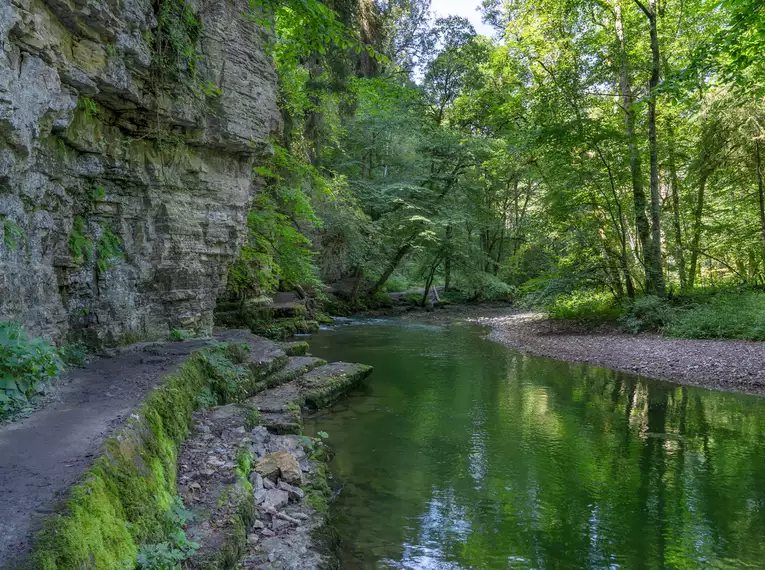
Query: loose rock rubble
253,489
258,520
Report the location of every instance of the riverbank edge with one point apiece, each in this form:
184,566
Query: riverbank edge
729,365
125,498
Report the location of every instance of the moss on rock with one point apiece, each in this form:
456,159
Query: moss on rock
324,385
295,348
283,328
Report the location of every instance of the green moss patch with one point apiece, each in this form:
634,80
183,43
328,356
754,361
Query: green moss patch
283,328
295,348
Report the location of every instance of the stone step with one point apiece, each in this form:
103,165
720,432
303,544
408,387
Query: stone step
266,357
282,329
289,309
325,384
279,408
296,366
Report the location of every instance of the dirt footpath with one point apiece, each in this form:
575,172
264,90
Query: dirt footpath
717,364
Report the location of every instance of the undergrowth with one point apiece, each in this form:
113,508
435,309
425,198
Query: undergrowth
584,305
739,315
26,368
722,313
171,553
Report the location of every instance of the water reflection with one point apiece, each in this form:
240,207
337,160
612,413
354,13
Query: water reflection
480,457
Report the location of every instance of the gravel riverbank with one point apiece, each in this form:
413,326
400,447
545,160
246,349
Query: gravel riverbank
717,364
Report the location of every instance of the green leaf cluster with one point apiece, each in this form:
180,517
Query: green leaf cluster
26,367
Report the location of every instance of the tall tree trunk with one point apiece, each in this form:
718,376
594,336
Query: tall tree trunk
402,251
625,268
638,190
761,196
674,186
500,251
654,269
356,285
429,282
696,239
448,259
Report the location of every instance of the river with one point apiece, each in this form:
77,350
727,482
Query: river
460,453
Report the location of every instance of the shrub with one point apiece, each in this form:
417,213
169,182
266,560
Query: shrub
482,286
454,296
584,305
379,301
413,297
74,354
542,291
26,366
396,284
648,313
724,315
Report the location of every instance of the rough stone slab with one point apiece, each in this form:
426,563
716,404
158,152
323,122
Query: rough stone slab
295,493
279,408
296,366
261,350
289,309
280,399
282,423
276,499
322,386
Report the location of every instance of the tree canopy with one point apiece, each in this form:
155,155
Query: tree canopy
604,145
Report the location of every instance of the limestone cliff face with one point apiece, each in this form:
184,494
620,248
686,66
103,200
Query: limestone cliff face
128,132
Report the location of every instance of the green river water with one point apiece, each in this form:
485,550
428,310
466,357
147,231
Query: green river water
460,453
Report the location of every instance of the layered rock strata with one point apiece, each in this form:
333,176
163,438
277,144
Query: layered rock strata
128,132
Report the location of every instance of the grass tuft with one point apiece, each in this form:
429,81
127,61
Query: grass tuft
585,306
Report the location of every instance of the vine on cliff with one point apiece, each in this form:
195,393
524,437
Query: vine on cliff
178,30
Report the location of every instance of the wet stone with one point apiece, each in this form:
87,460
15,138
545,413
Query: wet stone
256,480
277,524
260,496
276,498
268,467
259,435
295,493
